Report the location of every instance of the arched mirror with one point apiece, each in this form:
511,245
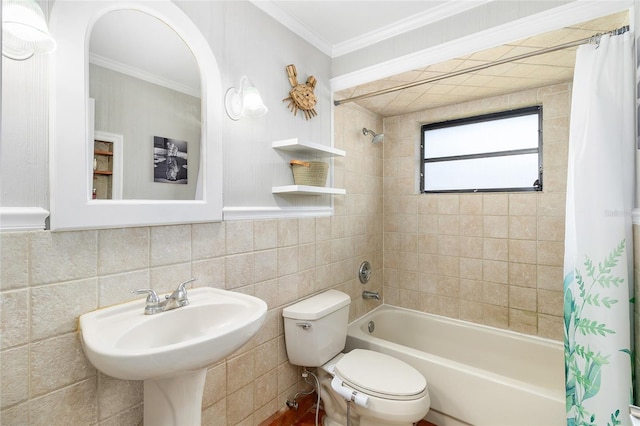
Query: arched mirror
135,117
145,86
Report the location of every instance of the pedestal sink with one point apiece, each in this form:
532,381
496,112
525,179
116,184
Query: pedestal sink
171,350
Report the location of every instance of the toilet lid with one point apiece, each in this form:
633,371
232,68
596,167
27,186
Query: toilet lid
380,375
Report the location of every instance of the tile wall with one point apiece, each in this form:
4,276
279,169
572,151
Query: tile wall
492,258
48,279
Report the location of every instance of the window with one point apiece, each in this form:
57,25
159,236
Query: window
488,153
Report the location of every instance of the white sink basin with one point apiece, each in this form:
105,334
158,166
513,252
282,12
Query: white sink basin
123,342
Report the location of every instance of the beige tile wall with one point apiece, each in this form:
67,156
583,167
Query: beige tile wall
492,258
48,279
489,258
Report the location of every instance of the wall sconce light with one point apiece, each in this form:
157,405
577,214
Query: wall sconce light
24,30
244,101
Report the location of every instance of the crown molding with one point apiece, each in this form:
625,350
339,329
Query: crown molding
379,34
276,12
142,75
400,27
562,16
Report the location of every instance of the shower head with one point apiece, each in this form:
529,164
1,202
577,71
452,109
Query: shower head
377,137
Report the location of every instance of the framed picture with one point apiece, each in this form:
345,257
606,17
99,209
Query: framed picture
169,160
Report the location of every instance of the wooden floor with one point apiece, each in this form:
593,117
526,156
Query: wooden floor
305,415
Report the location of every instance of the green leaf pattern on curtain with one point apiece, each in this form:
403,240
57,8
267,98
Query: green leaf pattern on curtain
583,366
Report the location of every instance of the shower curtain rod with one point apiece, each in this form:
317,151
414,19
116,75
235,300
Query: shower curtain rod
593,39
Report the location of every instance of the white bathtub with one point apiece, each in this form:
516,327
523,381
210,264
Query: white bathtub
476,374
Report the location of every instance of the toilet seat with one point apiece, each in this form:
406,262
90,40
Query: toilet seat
380,375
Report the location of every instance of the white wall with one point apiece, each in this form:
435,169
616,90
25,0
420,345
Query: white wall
23,142
245,41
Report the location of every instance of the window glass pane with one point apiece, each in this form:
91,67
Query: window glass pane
480,137
514,171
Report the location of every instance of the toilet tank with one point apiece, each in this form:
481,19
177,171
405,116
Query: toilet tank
315,329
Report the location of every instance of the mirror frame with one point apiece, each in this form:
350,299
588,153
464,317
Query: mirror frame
70,154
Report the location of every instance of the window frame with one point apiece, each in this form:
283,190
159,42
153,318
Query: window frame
537,109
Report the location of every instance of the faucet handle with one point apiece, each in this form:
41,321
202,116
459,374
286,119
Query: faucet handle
152,296
180,294
181,290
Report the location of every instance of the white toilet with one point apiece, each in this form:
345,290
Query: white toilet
381,390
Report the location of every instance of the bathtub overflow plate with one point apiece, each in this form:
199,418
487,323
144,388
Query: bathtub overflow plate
371,326
365,272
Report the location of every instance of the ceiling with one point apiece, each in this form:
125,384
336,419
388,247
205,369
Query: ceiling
536,71
339,27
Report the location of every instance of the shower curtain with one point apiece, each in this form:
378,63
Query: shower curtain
598,261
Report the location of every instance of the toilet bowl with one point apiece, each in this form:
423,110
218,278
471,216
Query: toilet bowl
370,388
395,392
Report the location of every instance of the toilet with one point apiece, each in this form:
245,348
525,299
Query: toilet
374,388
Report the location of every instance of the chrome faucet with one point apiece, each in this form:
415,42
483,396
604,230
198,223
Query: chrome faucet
370,295
171,301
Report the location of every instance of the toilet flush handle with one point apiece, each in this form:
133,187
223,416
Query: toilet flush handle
304,325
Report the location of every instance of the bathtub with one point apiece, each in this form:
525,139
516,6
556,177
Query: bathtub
476,374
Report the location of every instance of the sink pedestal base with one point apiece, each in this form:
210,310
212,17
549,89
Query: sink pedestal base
174,401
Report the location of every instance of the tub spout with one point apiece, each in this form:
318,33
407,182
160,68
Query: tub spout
370,295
